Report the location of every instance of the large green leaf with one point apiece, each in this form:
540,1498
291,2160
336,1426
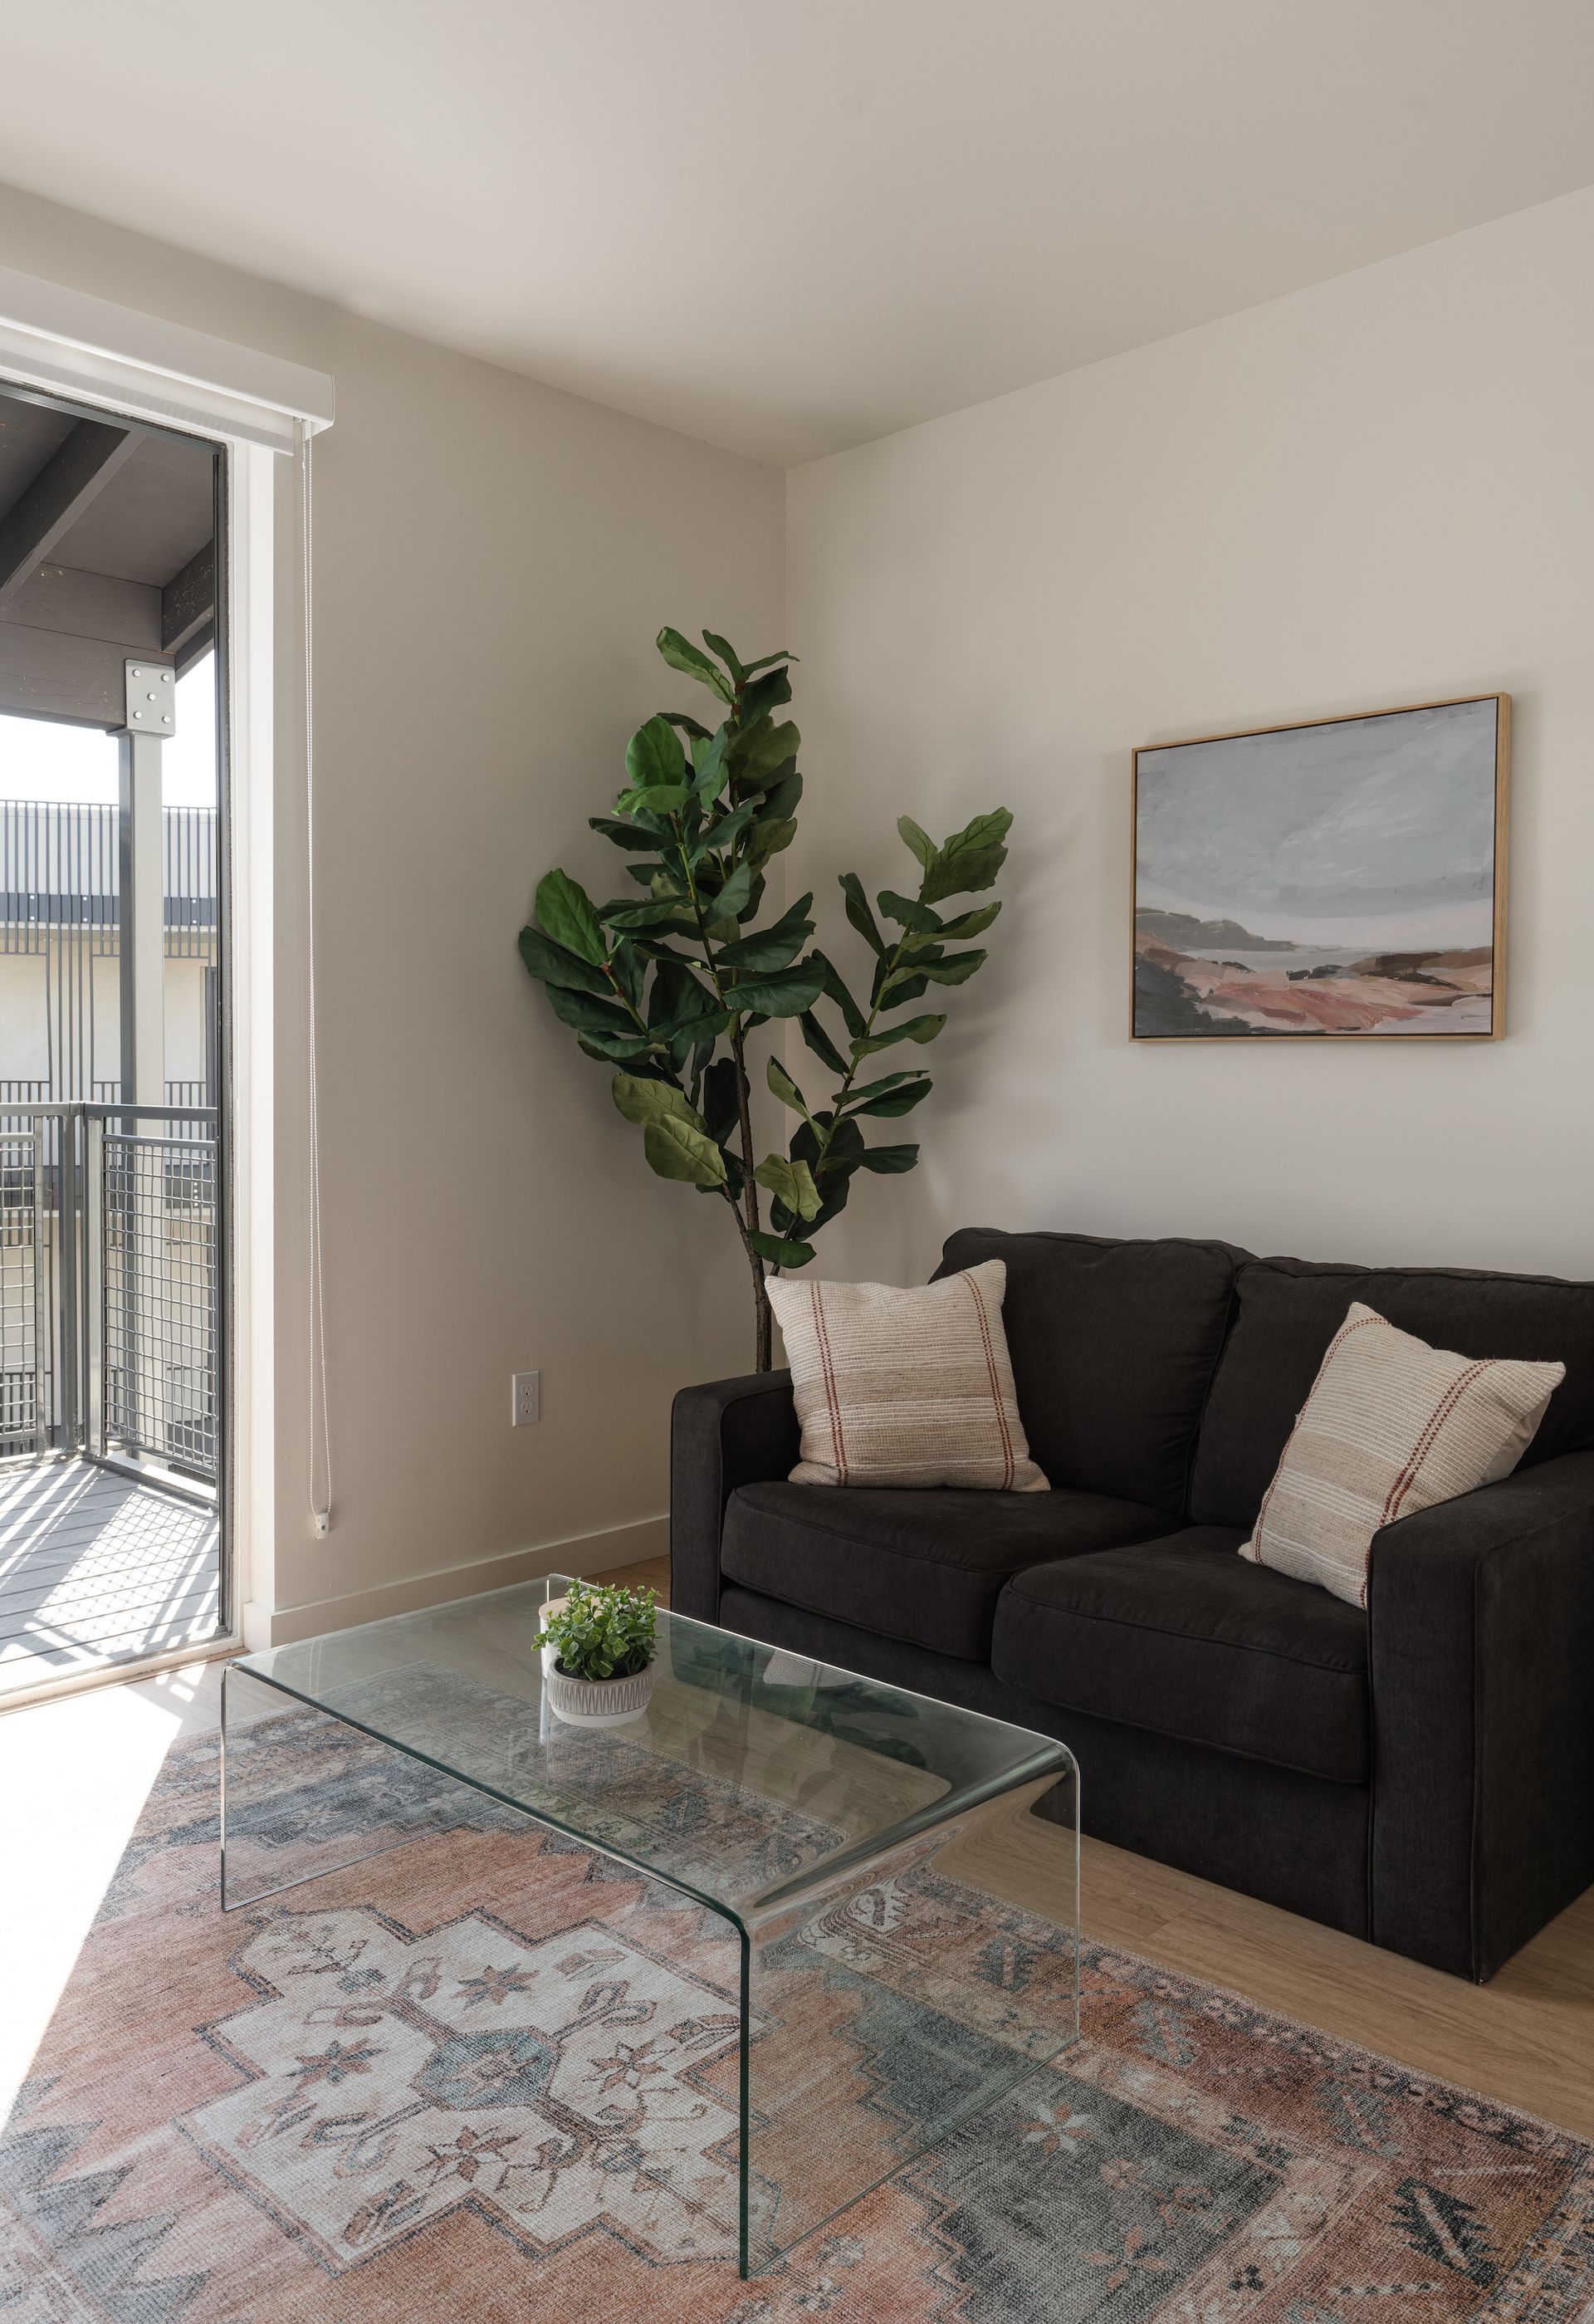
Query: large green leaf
585,1014
969,924
654,754
790,1183
955,969
896,1101
859,913
843,1153
780,802
717,838
735,896
963,873
786,992
566,912
629,968
889,1160
661,799
761,695
675,1149
772,947
692,662
785,1089
625,834
920,842
643,1100
710,773
604,1031
916,1029
654,912
886,1082
682,1010
552,965
835,990
611,1050
678,992
725,650
895,1093
908,914
780,1252
764,749
769,836
692,1029
764,660
982,831
904,985
820,1042
971,859
720,1107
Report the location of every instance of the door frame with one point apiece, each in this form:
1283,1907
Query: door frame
256,408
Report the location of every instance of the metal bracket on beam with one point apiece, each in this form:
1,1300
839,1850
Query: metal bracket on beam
152,700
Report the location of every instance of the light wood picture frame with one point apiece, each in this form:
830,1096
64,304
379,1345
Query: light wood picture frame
1339,878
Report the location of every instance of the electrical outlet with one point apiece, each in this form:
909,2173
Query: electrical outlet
525,1399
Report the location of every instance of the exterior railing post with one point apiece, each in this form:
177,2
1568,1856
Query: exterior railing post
43,1316
69,1401
94,1284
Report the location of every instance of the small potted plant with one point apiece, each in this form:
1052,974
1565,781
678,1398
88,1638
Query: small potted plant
600,1670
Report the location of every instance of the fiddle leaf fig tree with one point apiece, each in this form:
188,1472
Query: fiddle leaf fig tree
665,985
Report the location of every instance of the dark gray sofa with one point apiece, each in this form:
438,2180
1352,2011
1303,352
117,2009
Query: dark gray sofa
1421,1774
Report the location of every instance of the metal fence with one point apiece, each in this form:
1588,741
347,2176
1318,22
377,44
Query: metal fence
109,1281
59,901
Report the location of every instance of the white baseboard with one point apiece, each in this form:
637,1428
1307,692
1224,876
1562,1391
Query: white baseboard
583,1552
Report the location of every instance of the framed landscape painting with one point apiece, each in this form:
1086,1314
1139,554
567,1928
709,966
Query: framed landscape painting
1343,879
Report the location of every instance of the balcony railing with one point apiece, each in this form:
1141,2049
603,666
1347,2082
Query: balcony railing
109,1323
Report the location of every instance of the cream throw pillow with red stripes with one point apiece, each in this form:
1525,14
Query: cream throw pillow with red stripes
1391,1426
905,1388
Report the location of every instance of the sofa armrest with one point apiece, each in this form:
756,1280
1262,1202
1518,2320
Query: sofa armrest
725,1434
1481,1637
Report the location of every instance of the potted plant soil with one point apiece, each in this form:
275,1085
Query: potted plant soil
600,1671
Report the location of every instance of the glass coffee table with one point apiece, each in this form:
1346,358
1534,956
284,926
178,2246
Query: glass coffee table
854,1927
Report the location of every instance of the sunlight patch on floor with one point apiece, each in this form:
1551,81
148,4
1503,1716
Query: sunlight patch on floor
74,1777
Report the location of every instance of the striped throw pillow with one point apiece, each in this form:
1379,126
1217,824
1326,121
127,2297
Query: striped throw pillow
1391,1426
905,1388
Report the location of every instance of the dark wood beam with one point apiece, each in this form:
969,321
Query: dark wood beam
57,497
200,643
88,605
188,602
46,674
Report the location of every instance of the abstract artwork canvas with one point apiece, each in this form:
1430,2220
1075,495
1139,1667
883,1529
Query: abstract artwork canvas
1344,879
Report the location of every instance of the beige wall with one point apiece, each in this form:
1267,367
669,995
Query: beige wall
1376,491
493,560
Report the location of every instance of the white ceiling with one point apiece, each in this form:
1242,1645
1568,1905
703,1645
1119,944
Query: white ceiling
787,226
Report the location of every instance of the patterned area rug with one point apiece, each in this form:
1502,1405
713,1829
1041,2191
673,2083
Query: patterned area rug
492,2077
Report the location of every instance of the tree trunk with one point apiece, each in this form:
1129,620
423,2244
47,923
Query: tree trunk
763,1321
763,1334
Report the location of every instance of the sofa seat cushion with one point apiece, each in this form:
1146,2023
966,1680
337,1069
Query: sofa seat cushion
1182,1636
924,1566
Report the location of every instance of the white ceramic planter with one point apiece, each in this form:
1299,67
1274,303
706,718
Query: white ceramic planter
595,1701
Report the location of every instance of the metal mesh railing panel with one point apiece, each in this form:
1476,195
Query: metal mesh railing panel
26,1296
159,1292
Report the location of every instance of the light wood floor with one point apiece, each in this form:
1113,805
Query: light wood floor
97,1569
1527,2038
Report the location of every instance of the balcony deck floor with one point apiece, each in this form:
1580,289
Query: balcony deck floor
99,1569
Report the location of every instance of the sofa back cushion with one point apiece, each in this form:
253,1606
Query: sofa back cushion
1113,1347
1289,1309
